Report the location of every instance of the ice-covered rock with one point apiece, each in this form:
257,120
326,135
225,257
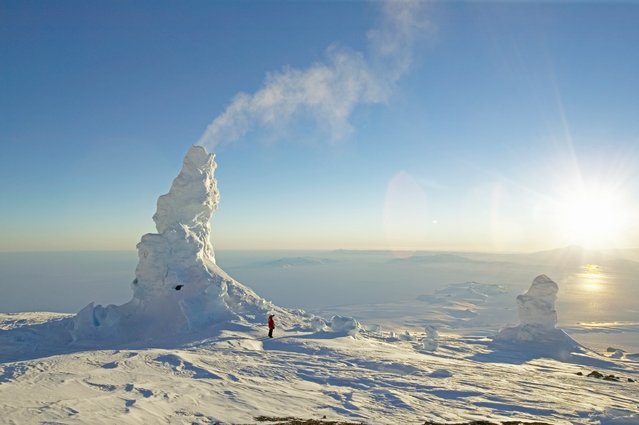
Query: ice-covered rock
537,305
373,327
344,324
431,332
430,338
178,286
537,314
538,320
617,354
429,344
441,373
406,336
318,324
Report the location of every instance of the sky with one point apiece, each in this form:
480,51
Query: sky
468,126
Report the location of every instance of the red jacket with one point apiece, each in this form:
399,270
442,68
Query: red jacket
271,323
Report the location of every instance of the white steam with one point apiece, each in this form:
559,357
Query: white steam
328,92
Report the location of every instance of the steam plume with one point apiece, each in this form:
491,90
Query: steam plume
328,92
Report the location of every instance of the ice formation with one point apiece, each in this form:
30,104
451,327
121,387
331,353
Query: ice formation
406,336
344,324
373,328
318,324
178,286
536,307
538,317
430,338
440,373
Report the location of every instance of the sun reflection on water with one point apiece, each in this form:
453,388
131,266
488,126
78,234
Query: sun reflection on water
592,278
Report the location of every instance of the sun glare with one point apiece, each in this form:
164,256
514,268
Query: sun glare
592,278
593,219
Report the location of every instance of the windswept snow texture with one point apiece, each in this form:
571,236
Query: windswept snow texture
178,286
237,374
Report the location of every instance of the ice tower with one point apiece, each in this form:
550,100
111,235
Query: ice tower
538,321
178,287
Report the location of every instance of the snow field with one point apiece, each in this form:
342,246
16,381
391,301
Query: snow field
238,375
191,347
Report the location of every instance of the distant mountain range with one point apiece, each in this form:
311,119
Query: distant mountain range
435,258
578,255
290,262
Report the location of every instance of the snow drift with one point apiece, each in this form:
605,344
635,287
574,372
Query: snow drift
178,286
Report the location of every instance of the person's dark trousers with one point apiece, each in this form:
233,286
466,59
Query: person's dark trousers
270,333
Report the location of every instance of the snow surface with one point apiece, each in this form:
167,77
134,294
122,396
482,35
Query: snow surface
191,348
233,373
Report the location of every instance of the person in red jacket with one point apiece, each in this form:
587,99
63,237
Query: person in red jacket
271,325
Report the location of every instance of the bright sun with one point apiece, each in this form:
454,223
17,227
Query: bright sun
593,219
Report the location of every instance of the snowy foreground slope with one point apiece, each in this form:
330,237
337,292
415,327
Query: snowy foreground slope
190,347
235,374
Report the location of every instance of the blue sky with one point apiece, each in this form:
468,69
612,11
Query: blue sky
513,129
